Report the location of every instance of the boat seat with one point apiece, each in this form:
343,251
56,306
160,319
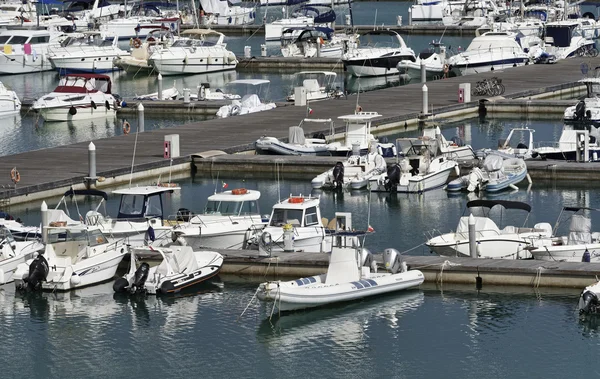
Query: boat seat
324,221
331,225
510,229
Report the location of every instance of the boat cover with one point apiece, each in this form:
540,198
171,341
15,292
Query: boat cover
296,135
493,163
181,259
483,225
580,230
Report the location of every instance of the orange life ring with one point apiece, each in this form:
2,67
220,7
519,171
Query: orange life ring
15,176
126,127
239,191
137,43
296,200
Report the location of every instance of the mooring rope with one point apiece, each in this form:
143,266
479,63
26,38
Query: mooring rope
248,305
446,263
538,277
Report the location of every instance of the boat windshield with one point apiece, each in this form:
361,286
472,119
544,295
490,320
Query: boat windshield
6,235
137,206
281,217
88,237
15,40
231,208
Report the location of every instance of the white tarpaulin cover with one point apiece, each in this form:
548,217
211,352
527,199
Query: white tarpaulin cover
483,225
493,163
296,135
580,230
214,6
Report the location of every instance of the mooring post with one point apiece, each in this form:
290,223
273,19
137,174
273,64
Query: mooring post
44,211
472,237
140,117
423,72
160,97
425,99
92,161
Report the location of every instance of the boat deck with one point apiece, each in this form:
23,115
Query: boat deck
54,168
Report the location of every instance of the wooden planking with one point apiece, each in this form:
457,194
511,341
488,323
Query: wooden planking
69,163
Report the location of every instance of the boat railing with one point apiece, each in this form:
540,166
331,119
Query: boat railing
556,145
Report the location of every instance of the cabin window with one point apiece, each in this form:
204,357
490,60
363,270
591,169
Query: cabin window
96,238
154,206
18,40
311,217
225,208
131,206
250,207
4,39
39,39
281,217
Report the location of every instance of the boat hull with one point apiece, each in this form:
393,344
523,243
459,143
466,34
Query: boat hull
289,296
567,253
87,64
507,247
23,64
273,146
234,239
193,66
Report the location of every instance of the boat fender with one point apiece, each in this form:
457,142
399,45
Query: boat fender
38,272
235,110
75,279
167,287
126,127
150,236
15,176
120,285
107,105
94,104
586,256
140,276
72,111
137,43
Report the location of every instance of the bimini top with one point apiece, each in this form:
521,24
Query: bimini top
238,195
360,116
84,83
91,192
577,209
504,203
252,82
145,191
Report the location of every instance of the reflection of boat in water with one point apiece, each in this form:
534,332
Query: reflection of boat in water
344,323
370,83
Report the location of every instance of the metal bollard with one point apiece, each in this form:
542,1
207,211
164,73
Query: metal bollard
423,72
186,95
92,161
140,118
472,237
425,99
263,50
409,16
160,87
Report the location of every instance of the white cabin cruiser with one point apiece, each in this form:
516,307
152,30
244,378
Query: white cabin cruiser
250,102
85,52
422,168
317,84
566,39
226,12
296,225
230,219
317,41
358,136
78,97
10,103
488,52
375,57
180,268
84,12
197,51
137,62
434,59
588,109
143,18
74,257
13,253
355,172
572,145
351,275
455,149
25,51
497,173
511,242
304,16
579,245
297,144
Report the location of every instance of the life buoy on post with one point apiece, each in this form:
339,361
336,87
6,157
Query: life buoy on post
126,127
358,109
15,176
137,43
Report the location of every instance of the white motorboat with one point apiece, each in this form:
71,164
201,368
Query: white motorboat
588,109
588,300
455,149
137,62
358,136
297,144
434,59
573,145
83,12
304,16
488,52
230,219
567,38
167,94
78,97
13,253
296,225
226,12
197,51
379,53
497,173
144,17
85,52
10,103
349,277
355,172
250,102
518,144
579,245
473,13
511,242
26,51
74,257
180,268
317,41
422,168
317,84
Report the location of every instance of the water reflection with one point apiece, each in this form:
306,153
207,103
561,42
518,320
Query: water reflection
353,84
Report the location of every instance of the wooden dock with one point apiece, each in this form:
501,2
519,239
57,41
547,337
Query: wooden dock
55,168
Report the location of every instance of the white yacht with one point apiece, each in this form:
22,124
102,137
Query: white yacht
434,59
318,41
304,16
588,109
78,97
226,12
141,51
197,51
488,52
229,220
355,172
378,54
13,253
571,145
566,39
10,103
143,18
510,242
317,84
25,51
85,52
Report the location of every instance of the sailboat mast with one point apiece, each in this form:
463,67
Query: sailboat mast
350,11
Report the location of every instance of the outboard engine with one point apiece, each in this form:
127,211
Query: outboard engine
580,110
588,302
184,214
38,272
338,175
120,285
393,261
141,274
393,178
367,259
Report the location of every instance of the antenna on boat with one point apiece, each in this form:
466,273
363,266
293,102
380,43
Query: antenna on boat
137,132
217,182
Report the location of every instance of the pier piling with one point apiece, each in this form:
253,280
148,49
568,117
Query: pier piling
140,109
